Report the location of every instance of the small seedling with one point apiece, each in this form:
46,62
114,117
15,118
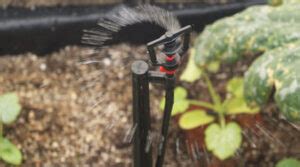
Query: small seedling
222,138
9,110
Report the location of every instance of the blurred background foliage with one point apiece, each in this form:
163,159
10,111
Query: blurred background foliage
33,3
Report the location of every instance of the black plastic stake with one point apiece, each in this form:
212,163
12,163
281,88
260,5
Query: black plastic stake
141,114
140,81
169,98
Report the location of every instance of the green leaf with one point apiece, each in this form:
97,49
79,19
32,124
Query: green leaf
250,32
9,152
235,86
288,162
223,142
180,93
238,105
181,104
213,66
276,75
9,107
195,118
272,33
191,72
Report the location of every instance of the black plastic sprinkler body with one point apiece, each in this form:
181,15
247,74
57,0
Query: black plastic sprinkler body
172,50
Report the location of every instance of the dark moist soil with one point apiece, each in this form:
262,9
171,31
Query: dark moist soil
79,114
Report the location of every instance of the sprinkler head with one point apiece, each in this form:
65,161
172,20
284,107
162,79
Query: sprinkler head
173,49
170,42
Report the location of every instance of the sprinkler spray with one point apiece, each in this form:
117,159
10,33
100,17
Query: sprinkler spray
123,25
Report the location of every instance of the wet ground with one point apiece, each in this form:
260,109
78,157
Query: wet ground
73,114
77,112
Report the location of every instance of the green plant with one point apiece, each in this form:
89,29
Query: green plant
273,33
9,110
288,162
278,75
222,138
257,29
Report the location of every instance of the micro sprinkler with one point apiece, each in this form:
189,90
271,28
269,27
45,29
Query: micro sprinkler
141,77
113,28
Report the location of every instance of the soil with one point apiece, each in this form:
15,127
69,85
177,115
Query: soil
75,114
78,112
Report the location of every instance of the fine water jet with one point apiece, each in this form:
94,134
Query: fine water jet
160,29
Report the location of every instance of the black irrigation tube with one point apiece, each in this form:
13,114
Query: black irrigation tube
46,29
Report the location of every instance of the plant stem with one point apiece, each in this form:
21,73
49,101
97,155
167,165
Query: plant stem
1,129
215,97
222,118
218,107
202,104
